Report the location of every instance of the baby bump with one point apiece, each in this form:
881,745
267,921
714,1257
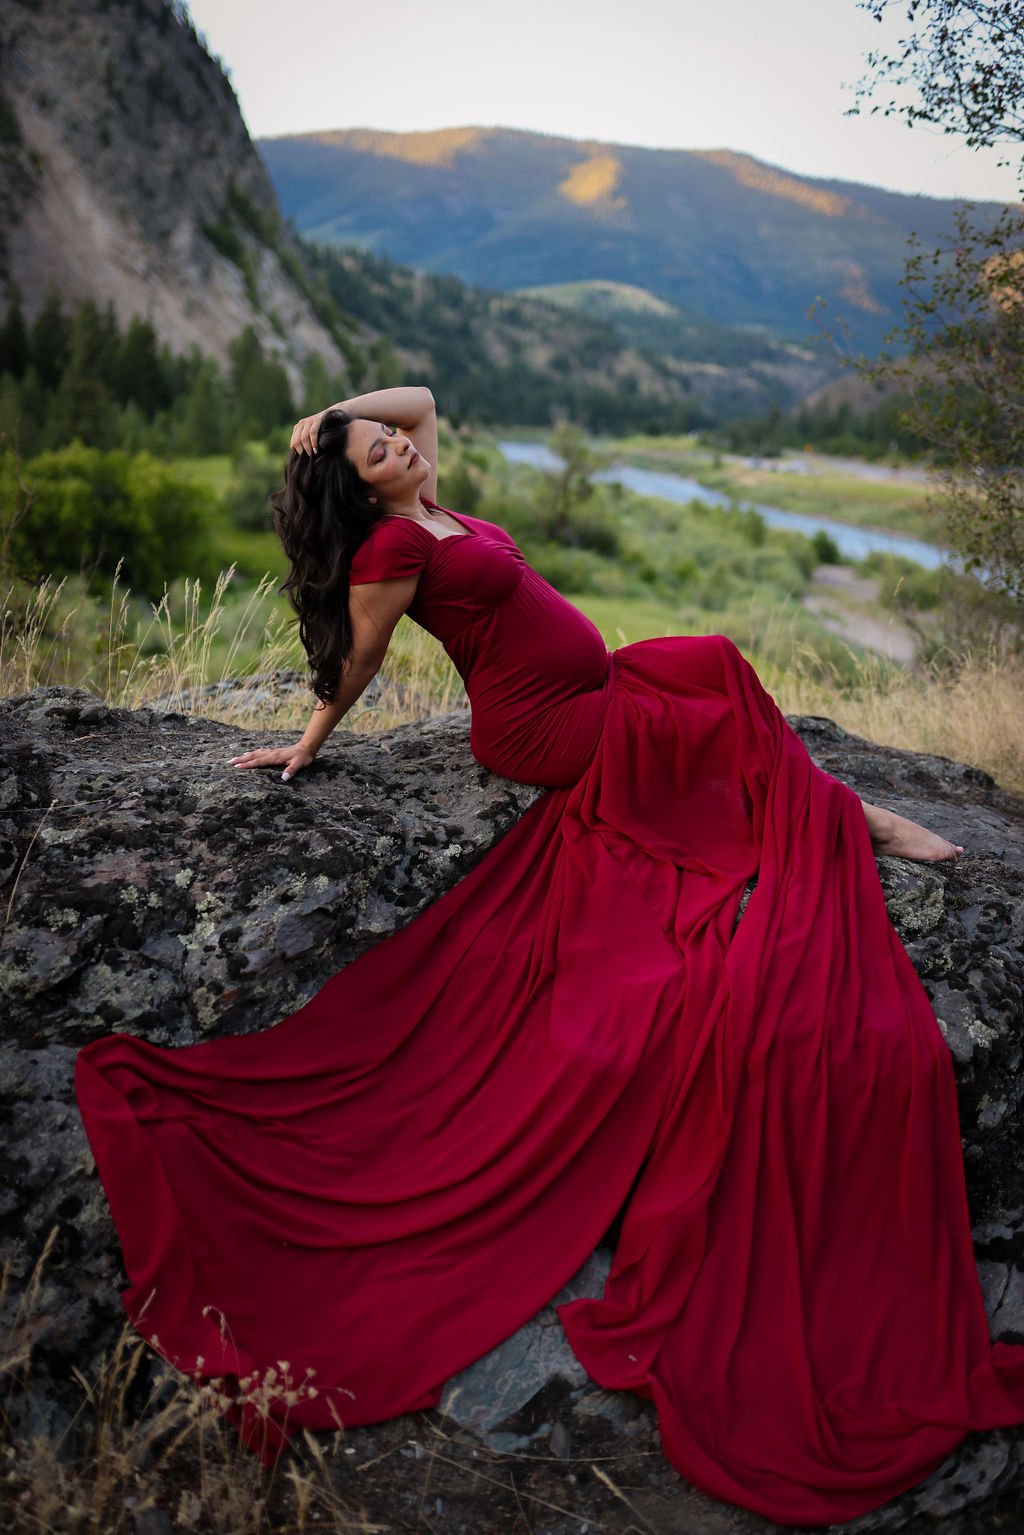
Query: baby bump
551,747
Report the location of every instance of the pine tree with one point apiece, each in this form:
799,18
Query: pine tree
139,374
14,349
262,392
206,425
82,407
23,414
105,342
50,340
316,385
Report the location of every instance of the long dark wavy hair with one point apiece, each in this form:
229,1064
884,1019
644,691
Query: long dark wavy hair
322,514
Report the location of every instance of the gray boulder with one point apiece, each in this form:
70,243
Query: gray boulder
147,886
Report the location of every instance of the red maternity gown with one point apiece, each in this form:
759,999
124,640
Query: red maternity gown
392,1180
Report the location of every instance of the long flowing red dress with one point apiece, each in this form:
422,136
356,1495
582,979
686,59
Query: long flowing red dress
389,1182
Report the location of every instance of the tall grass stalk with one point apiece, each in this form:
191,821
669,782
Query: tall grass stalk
29,642
182,661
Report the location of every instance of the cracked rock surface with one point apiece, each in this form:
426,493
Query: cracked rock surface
146,886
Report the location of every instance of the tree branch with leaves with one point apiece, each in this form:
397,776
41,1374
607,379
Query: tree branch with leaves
959,352
960,68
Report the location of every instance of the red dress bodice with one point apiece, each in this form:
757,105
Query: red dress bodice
536,670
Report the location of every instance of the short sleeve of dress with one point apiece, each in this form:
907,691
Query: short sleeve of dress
394,548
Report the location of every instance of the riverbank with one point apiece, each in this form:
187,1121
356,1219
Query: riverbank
890,499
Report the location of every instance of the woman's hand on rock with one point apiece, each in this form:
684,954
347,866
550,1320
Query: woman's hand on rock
292,758
304,433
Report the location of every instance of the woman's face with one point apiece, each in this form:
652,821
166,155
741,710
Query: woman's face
386,460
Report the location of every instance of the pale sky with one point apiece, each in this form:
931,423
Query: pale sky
770,78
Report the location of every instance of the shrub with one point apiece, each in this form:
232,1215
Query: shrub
568,570
90,509
245,499
458,488
825,548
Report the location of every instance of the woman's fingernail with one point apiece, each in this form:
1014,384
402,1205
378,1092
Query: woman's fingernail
285,775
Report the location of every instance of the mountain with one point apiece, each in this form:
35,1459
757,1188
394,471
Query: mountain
128,175
724,239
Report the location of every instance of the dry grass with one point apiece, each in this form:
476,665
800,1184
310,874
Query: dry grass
967,708
971,711
117,1458
145,1454
49,636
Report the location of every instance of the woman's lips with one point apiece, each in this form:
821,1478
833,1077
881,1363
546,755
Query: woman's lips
413,458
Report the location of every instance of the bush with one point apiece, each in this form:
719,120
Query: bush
89,510
750,523
683,570
590,527
568,570
825,548
458,488
903,584
245,499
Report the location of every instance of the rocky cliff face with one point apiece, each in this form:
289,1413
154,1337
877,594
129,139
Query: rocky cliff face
146,886
127,175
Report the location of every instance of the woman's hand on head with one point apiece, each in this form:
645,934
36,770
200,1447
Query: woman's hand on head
304,433
292,758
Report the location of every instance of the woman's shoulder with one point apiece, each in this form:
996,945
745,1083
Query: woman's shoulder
393,547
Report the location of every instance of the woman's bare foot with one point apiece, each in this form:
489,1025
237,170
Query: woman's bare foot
896,837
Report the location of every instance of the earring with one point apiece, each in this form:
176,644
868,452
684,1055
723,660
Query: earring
372,500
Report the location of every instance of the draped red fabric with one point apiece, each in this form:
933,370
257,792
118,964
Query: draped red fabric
386,1184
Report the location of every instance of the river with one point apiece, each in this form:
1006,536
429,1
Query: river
852,542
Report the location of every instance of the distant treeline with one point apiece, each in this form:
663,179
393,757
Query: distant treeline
871,434
463,330
80,376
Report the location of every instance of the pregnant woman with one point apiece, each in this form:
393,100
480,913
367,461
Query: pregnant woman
389,1182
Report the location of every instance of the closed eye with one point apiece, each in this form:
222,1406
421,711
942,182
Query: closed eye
389,431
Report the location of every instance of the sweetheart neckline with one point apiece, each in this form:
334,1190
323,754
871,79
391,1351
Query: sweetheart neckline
468,533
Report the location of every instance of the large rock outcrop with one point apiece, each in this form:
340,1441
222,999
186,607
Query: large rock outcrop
127,175
147,886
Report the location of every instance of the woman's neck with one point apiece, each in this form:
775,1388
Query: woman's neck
412,515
